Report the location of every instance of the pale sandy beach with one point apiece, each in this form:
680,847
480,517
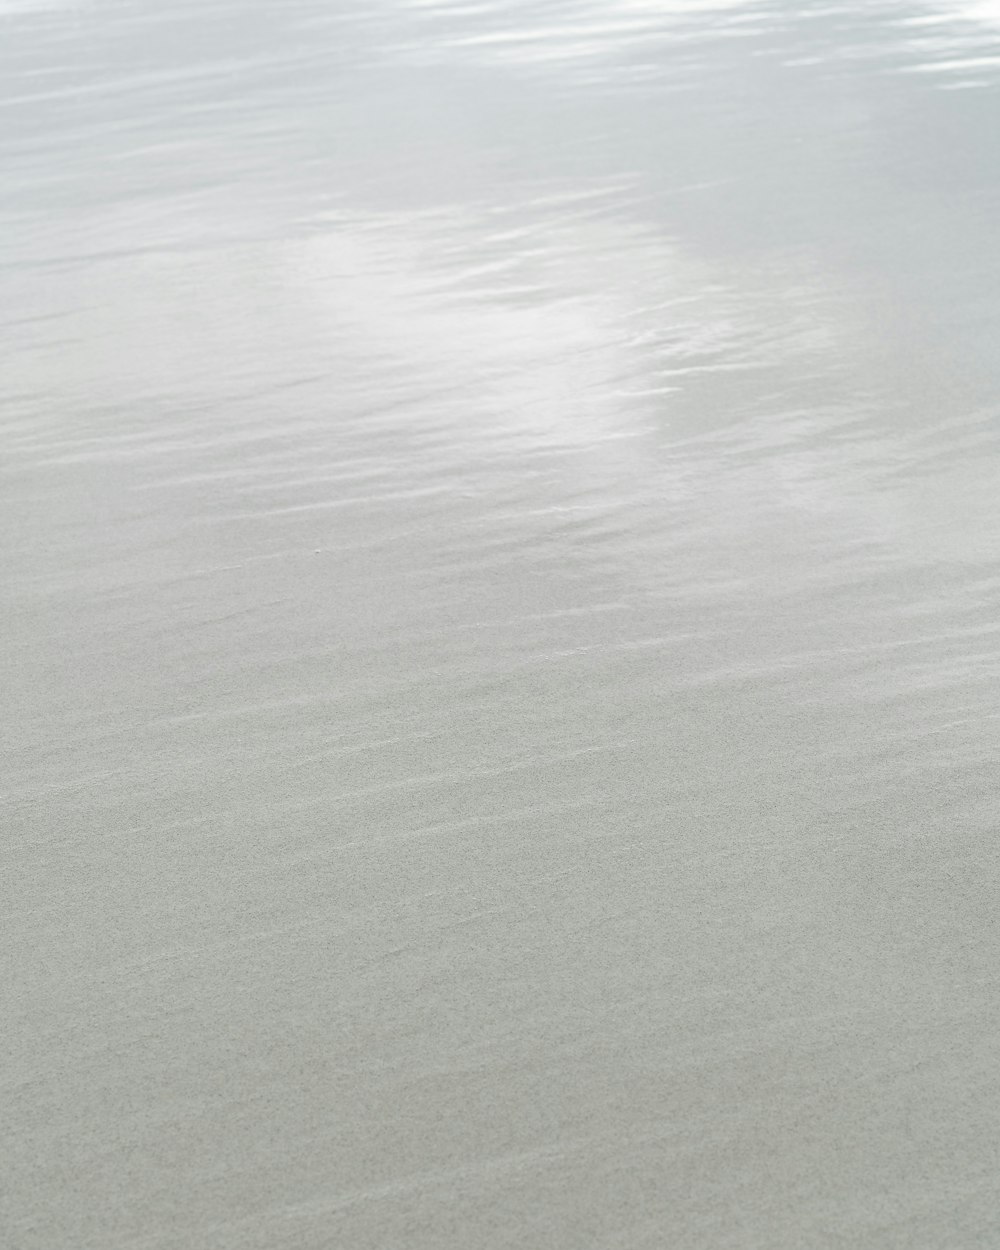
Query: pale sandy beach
500,556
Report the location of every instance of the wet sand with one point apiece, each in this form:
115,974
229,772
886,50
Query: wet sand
499,541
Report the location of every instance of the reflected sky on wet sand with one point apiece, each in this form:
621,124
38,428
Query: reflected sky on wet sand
500,571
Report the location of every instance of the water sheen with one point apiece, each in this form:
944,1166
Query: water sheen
501,669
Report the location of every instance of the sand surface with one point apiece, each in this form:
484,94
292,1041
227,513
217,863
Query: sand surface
500,557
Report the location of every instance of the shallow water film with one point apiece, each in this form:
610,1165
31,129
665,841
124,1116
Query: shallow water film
500,538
